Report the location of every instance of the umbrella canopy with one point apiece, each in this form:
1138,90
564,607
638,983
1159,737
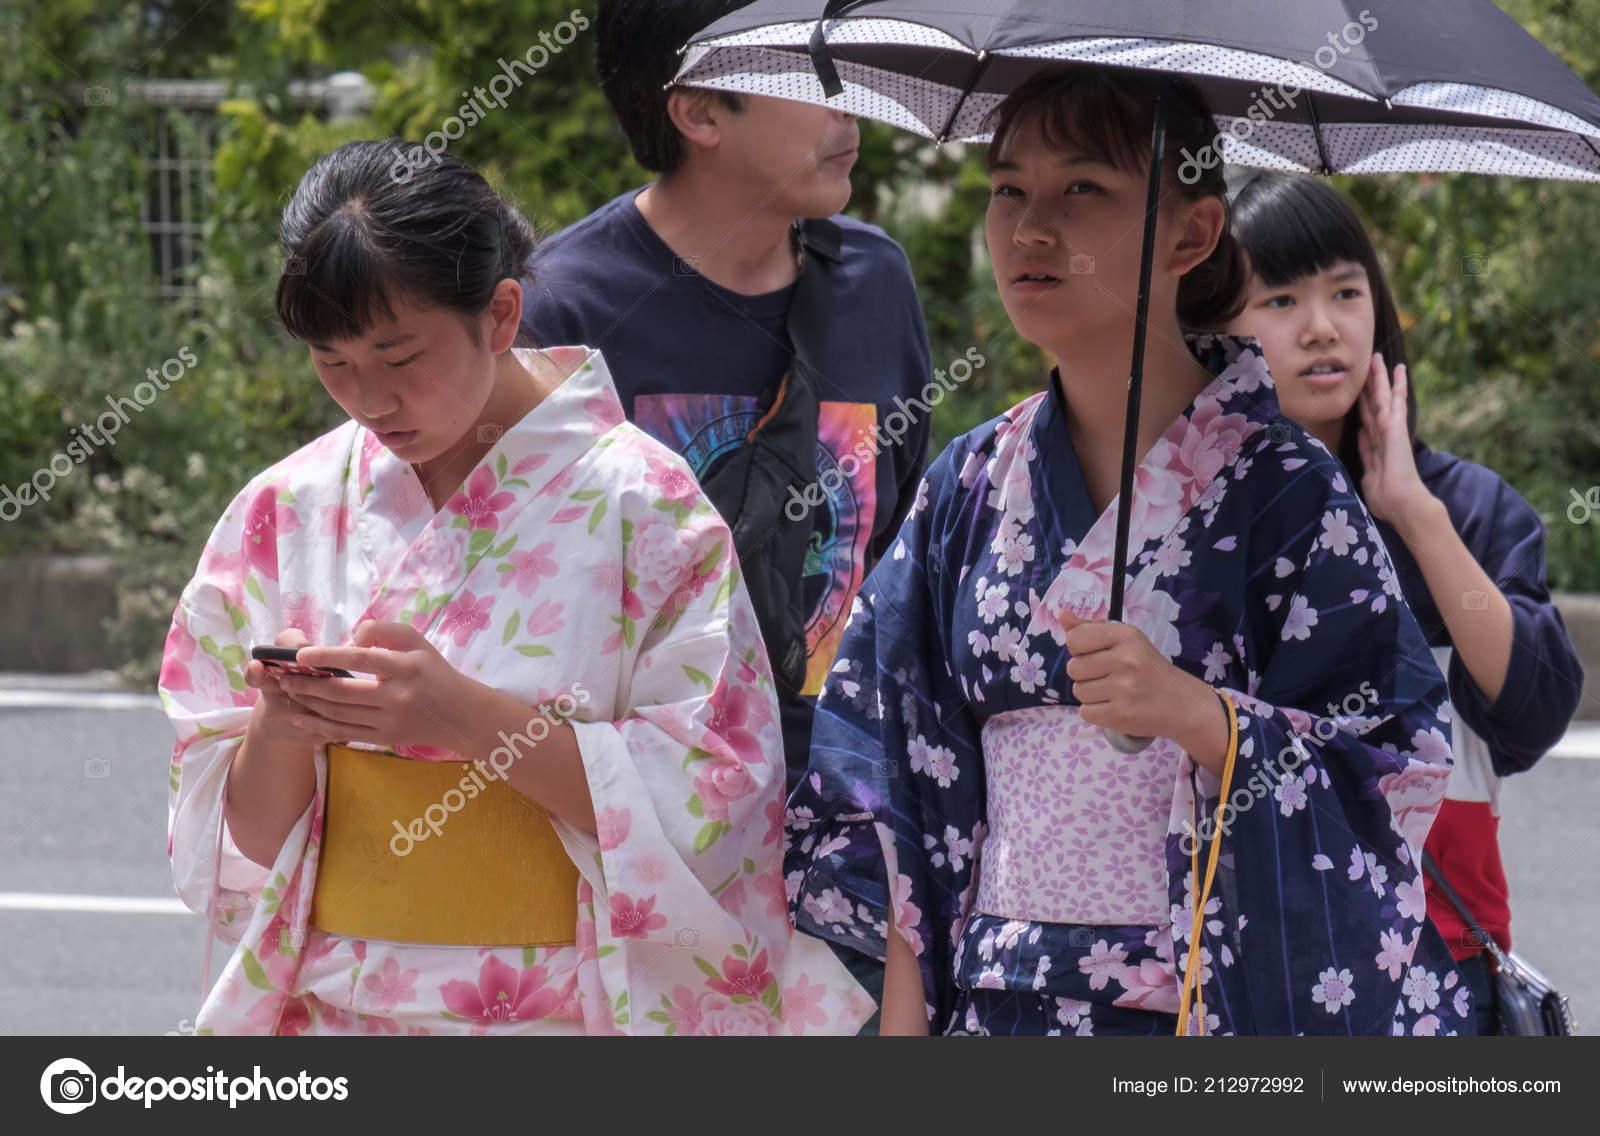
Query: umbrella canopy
1320,86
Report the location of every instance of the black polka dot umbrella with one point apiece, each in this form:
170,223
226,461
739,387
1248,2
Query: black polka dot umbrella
1323,86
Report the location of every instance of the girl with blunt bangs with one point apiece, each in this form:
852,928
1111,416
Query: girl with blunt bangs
515,764
1254,869
1468,550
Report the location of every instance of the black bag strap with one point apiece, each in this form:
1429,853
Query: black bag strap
1431,866
820,240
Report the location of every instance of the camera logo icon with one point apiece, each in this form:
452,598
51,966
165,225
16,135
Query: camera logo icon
96,769
686,937
1474,601
686,265
1475,265
489,432
68,1085
1080,265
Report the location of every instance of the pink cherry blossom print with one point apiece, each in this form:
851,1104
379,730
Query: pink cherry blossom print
480,504
630,920
390,986
336,521
676,484
684,1010
738,715
611,826
264,521
1334,990
1103,963
740,976
907,915
802,1004
1248,373
465,615
502,994
530,568
604,410
175,657
774,822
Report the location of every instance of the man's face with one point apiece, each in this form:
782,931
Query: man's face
791,156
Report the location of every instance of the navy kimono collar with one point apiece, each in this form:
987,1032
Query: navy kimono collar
1242,381
1173,479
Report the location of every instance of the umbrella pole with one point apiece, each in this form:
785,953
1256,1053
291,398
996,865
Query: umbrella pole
1130,436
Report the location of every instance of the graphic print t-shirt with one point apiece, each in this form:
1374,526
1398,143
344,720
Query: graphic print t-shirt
692,359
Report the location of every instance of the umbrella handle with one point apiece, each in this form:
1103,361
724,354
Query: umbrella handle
1125,743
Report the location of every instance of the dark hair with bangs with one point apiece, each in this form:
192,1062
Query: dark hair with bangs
374,221
1107,114
1294,225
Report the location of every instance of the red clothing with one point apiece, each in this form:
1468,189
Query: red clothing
1464,842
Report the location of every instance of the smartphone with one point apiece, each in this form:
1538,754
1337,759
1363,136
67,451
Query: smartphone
284,659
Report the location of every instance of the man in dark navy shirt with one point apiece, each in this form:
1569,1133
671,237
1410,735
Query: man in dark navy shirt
685,286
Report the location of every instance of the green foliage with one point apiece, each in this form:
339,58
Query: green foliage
1506,359
552,145
1495,281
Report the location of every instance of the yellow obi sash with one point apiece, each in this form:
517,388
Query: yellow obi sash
437,852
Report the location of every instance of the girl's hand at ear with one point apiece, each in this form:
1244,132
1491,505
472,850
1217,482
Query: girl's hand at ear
1390,483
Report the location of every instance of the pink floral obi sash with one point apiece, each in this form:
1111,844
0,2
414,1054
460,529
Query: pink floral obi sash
1076,829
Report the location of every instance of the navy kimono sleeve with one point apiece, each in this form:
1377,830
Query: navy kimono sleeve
1544,678
896,765
1342,762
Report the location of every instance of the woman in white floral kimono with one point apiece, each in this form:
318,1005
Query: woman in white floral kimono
547,798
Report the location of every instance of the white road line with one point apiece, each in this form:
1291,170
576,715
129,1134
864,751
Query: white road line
77,700
92,904
1581,741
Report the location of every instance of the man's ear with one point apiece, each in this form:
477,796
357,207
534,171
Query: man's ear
1200,223
695,114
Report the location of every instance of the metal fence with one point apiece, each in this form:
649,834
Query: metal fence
180,199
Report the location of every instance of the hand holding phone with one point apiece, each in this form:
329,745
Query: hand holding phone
284,659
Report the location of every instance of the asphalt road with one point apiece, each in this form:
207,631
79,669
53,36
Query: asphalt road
93,940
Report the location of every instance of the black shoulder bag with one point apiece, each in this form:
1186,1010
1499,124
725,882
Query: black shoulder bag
762,489
1526,1004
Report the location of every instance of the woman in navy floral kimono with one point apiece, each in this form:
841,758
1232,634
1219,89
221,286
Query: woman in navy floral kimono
964,818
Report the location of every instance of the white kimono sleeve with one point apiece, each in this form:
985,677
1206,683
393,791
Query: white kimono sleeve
691,921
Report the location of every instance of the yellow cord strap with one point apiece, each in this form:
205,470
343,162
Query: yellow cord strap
1192,970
